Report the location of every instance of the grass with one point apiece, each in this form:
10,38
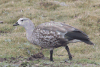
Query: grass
82,14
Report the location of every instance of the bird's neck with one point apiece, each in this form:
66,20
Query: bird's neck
29,31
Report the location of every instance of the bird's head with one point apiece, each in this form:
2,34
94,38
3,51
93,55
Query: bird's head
23,22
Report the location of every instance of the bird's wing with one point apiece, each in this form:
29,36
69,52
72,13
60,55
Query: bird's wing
65,31
62,28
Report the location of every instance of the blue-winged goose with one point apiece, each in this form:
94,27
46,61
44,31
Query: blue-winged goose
52,35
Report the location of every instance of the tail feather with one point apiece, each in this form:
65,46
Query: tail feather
88,42
79,36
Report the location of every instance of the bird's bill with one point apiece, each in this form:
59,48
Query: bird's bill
16,24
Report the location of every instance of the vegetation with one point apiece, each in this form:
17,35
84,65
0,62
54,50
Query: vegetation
82,14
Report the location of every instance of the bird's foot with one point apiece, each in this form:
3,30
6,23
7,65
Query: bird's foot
70,57
51,60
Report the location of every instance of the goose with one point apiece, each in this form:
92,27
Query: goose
52,35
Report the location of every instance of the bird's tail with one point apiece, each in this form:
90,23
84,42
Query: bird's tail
79,35
88,42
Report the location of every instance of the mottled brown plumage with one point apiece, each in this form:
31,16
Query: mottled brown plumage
52,35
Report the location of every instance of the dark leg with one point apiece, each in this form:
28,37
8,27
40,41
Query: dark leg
51,55
69,54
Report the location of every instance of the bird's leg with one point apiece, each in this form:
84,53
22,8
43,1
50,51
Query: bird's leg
51,55
41,50
69,54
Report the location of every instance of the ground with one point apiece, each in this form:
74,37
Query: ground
15,49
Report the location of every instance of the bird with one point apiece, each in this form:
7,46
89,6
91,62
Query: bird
51,35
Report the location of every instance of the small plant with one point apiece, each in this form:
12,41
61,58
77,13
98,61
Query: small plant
24,64
5,29
49,5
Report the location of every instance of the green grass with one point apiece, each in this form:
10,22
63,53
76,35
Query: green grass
81,14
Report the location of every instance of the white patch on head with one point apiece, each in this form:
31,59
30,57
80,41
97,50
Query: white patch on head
19,21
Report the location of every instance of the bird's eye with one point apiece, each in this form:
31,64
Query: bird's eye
21,20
